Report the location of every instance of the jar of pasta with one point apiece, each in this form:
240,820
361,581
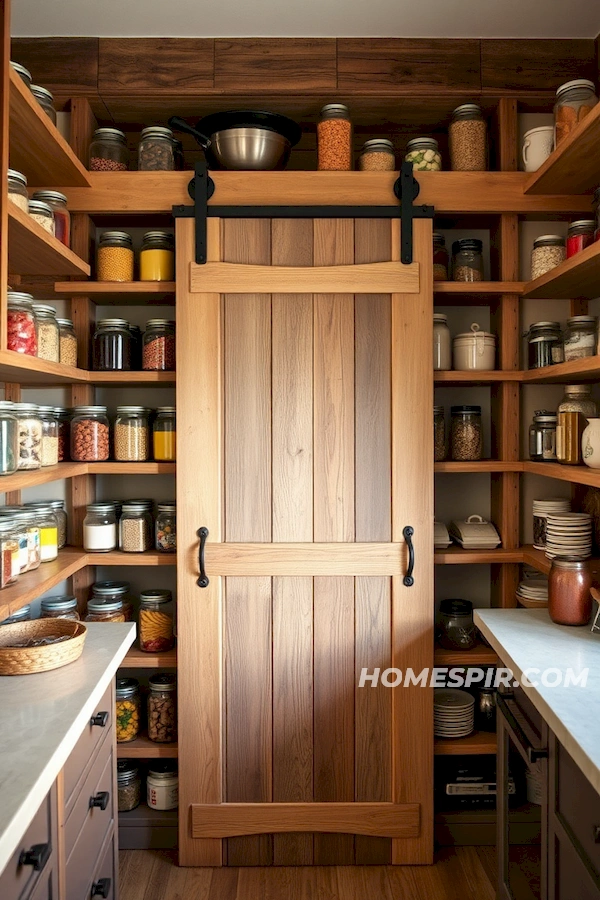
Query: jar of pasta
104,611
127,712
156,621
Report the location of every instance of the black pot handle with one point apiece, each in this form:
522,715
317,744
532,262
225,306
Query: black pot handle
179,124
203,580
407,533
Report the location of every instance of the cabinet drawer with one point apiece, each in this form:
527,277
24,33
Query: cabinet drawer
86,869
86,746
105,875
578,805
19,880
46,887
572,881
86,827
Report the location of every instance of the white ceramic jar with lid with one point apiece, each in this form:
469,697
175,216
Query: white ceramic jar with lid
475,349
162,785
442,349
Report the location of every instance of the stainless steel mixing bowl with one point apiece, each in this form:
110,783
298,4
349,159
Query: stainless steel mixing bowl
248,148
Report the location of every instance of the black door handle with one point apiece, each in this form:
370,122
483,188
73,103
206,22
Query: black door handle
100,800
100,719
101,888
37,857
407,533
203,580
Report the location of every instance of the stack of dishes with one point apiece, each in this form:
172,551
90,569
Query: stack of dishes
569,534
453,713
554,506
533,593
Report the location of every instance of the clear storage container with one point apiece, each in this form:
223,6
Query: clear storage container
9,438
424,154
442,343
156,150
129,785
100,528
58,508
580,337
108,151
17,189
30,436
545,345
10,566
166,528
457,629
377,155
29,536
156,621
334,138
579,236
127,709
162,708
468,139
113,591
135,528
112,348
574,100
158,354
48,339
62,216
21,615
23,73
45,100
22,325
157,257
466,438
89,434
114,259
440,257
548,252
542,436
132,434
468,261
48,525
63,416
574,410
49,435
439,434
43,214
67,342
104,611
164,434
59,606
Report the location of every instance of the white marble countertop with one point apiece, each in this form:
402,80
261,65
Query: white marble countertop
527,639
41,719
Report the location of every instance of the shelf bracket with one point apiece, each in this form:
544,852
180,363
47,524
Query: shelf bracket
407,190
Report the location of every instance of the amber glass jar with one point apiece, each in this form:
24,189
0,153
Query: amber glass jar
569,599
334,138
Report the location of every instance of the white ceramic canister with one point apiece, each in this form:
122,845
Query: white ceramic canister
590,444
442,345
162,788
538,144
475,349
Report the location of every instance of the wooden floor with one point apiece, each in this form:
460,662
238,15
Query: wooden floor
461,873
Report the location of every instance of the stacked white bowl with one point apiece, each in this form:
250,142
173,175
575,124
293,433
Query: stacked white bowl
554,506
569,534
453,713
533,592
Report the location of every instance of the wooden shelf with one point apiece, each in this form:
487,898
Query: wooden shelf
22,480
575,277
572,474
456,556
575,370
29,370
574,167
143,748
30,585
478,293
127,378
527,812
118,558
34,251
476,378
36,146
538,560
478,743
130,468
481,466
117,293
143,816
137,659
480,655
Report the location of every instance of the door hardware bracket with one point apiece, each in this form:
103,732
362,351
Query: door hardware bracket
406,189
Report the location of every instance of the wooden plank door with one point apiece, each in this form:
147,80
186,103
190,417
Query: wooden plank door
305,446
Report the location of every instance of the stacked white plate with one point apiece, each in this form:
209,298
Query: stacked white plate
453,713
533,593
569,534
554,506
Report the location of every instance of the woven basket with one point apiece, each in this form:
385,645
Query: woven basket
26,660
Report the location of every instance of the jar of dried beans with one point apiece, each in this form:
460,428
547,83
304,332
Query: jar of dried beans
112,346
164,434
61,606
49,435
9,438
135,528
440,257
162,708
62,217
108,151
574,100
548,252
334,138
156,621
100,528
30,436
127,709
377,156
424,154
48,338
22,325
17,189
64,433
468,261
89,434
467,134
129,785
67,340
166,528
156,150
9,554
158,352
466,433
43,214
104,611
114,260
157,257
45,100
579,236
132,434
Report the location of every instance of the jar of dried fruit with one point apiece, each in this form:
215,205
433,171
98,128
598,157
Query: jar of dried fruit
129,785
62,217
49,435
132,434
334,138
377,155
424,154
156,621
158,352
67,341
17,189
48,337
127,709
574,100
156,150
114,260
548,252
162,708
22,325
108,151
468,142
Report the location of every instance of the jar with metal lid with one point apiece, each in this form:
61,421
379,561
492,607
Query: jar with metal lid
158,354
63,417
23,73
104,611
440,257
30,436
128,707
377,155
156,150
112,346
48,339
439,434
164,434
468,261
156,621
132,434
48,524
474,350
157,257
442,350
108,151
579,236
15,516
162,785
58,508
129,785
9,438
49,435
596,204
580,337
59,606
574,410
334,138
10,564
468,139
548,252
89,434
135,528
114,591
100,528
62,216
569,598
21,615
165,530
17,189
45,100
162,708
43,214
544,345
67,342
574,100
114,259
542,436
466,439
457,629
28,532
424,154
22,325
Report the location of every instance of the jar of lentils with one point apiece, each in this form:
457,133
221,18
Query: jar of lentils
22,326
89,434
156,150
574,100
67,342
157,257
59,606
108,151
48,336
112,346
466,440
439,434
49,435
468,261
129,785
135,528
424,154
377,155
30,436
468,141
43,214
158,354
166,528
114,261
440,257
17,189
132,434
548,252
9,438
45,100
62,217
580,337
579,236
334,138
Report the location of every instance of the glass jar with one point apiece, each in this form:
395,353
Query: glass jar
104,611
129,785
457,629
574,410
165,530
580,337
100,528
27,534
544,345
64,433
9,438
62,216
89,434
49,435
21,615
17,189
22,325
574,100
162,785
135,528
334,138
424,154
136,346
115,591
156,621
579,236
114,259
132,434
439,434
164,434
112,346
548,252
596,203
48,524
440,257
48,339
377,155
127,709
45,100
542,436
158,354
30,436
23,73
14,515
67,342
569,598
468,261
157,257
108,151
43,214
442,344
10,564
59,606
162,708
146,505
468,139
466,439
58,508
156,150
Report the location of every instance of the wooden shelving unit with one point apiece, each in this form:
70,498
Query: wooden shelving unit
456,556
572,474
574,167
22,480
143,748
477,293
34,251
32,584
477,744
29,370
476,378
138,659
478,656
118,558
481,466
586,369
578,276
118,293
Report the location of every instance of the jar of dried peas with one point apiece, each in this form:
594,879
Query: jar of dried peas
128,705
115,257
334,138
156,620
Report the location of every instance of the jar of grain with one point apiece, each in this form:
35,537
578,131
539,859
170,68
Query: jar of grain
67,342
334,138
89,434
9,555
440,257
466,441
113,591
548,252
114,260
22,324
48,337
156,621
132,434
424,154
104,611
158,354
468,261
49,435
108,151
377,155
135,528
579,236
156,150
128,706
23,73
164,434
166,527
59,606
157,257
30,436
468,141
162,785
58,508
45,100
43,214
580,337
100,528
112,346
162,708
63,416
442,349
48,525
62,217
574,100
9,438
17,190
129,785
439,434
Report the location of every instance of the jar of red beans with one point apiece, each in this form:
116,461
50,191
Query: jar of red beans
62,217
89,434
579,236
108,151
22,325
159,345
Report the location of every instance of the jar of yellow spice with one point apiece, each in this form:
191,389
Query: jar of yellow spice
128,706
115,257
157,258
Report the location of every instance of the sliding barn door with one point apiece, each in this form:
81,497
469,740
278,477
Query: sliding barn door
304,398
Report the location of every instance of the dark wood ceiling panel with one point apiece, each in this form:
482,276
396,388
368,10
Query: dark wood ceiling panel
67,66
539,64
275,63
151,66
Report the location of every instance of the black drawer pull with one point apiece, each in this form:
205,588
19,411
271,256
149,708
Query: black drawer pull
101,888
37,857
100,800
597,834
100,719
407,533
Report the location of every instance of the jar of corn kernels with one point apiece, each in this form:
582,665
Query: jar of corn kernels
334,138
115,257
